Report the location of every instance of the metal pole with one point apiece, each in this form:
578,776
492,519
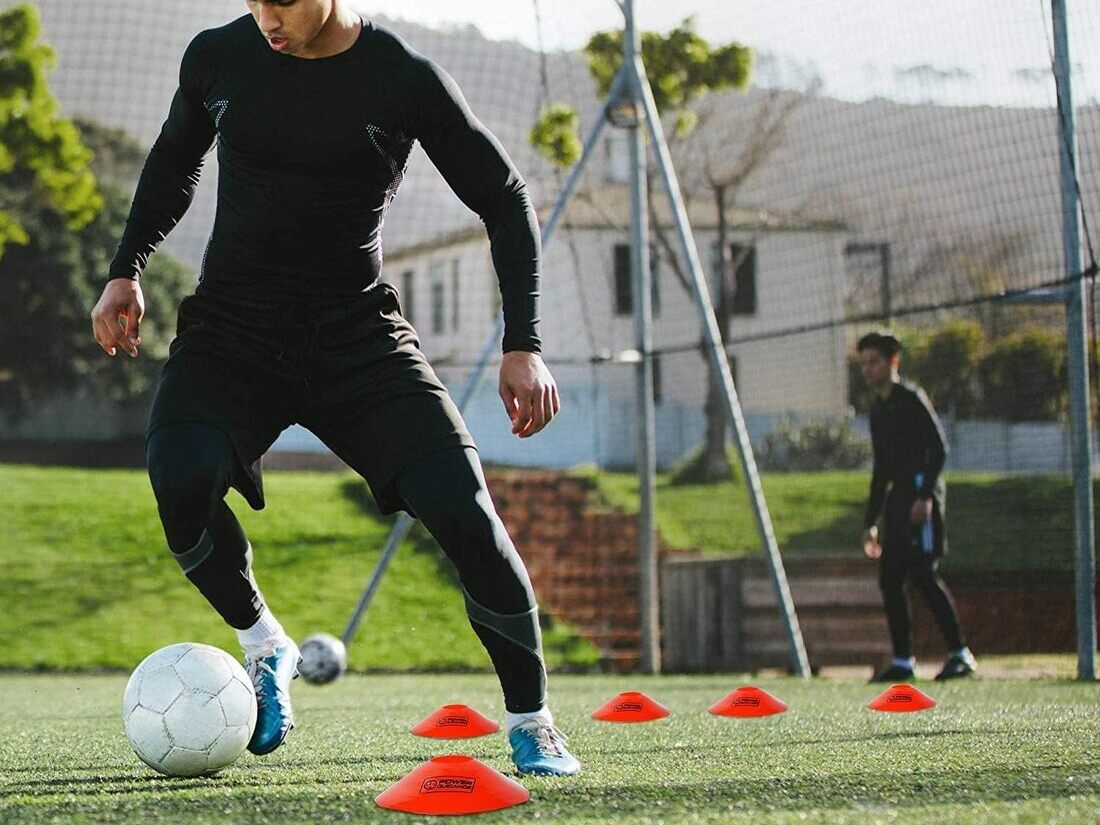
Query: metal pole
648,597
1076,356
404,524
800,663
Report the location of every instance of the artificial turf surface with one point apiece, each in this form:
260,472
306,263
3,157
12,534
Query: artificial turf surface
1004,751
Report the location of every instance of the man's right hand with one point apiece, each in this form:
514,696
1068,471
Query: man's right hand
121,303
871,548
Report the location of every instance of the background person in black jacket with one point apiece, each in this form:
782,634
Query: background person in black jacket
907,490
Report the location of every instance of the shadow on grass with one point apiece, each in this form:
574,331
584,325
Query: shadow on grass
722,745
586,798
821,790
1009,523
310,772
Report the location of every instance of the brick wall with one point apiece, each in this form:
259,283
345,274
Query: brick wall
583,564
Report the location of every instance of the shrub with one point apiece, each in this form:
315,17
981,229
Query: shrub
819,444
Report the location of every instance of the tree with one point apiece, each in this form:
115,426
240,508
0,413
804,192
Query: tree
724,156
49,284
945,364
1023,377
717,157
41,156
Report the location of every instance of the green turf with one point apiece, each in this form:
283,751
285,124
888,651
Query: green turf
88,580
992,751
994,522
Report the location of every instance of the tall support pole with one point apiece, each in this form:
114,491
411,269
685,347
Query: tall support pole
1076,356
405,522
800,663
648,596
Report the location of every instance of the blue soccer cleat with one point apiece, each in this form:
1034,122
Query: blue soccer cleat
539,749
271,676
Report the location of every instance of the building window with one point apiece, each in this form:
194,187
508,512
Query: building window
624,284
439,295
407,295
658,386
743,258
454,294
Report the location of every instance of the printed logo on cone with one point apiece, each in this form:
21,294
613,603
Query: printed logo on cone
902,699
454,722
630,707
748,701
454,784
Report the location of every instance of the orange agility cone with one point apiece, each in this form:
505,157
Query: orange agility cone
630,707
453,784
748,701
455,722
902,699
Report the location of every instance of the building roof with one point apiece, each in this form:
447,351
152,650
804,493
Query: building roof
608,208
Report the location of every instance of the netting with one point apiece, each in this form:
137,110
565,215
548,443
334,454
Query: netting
895,165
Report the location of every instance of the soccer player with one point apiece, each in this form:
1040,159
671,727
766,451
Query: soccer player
315,111
907,482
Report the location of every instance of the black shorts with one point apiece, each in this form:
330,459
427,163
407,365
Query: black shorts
349,370
908,543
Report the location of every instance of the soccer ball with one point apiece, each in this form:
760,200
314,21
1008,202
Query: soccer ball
324,658
189,709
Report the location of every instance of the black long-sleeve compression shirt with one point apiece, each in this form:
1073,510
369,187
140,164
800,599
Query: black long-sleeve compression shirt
311,153
907,440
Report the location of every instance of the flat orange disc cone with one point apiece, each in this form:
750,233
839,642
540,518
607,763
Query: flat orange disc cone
453,784
455,722
630,707
902,699
748,701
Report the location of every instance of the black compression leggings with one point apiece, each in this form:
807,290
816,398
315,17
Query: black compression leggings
894,569
192,466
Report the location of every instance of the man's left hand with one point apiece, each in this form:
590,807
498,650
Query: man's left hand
528,391
921,511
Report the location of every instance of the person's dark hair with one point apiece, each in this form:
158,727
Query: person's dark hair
884,341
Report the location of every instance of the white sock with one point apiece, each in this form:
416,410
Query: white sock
514,720
910,663
267,633
963,653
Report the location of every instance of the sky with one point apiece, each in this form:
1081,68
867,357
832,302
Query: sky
947,51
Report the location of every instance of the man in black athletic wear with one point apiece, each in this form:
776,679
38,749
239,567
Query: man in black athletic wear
907,482
315,112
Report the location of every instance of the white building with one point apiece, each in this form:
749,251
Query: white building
791,276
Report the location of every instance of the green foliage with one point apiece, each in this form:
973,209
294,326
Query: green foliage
682,67
945,363
42,159
1019,377
47,289
824,444
555,135
1023,377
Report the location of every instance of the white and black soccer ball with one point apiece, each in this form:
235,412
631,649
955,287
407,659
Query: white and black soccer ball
324,659
189,709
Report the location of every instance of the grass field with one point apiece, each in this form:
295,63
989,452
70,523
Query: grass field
992,751
92,584
88,581
994,521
